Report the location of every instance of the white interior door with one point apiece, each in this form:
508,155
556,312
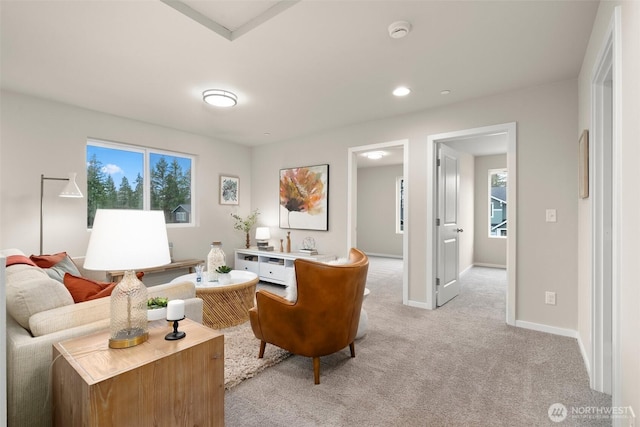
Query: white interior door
448,184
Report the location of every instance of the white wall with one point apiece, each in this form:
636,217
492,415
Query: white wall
489,251
629,174
39,136
377,211
547,118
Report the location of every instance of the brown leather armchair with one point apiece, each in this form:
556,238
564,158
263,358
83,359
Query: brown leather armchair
325,317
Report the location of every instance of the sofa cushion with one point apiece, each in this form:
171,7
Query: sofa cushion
56,265
83,289
30,291
70,316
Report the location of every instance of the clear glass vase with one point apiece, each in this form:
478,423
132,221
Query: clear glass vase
215,259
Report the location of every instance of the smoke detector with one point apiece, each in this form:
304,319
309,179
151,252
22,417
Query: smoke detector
399,29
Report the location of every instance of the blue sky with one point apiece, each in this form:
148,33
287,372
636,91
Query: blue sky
121,163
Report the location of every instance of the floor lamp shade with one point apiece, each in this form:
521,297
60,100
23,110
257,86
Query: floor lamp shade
124,239
70,190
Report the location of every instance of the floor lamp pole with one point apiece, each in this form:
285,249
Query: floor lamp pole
42,178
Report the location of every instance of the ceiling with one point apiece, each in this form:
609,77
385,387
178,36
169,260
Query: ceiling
297,68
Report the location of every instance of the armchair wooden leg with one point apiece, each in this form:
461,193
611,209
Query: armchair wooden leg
352,347
316,370
262,347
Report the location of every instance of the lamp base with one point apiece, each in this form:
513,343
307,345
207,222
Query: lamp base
128,338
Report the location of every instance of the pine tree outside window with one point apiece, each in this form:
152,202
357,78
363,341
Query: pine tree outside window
128,177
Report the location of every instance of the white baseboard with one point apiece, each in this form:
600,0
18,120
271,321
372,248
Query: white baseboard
384,255
585,359
418,304
484,264
546,328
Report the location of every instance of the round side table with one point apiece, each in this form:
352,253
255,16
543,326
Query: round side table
225,305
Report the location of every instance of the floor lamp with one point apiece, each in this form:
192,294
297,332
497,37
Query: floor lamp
70,190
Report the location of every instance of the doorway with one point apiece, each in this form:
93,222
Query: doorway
431,215
605,205
352,201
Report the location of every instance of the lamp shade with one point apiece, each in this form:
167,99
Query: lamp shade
262,233
71,189
126,239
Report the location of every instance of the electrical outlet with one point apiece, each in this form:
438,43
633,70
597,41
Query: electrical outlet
551,215
550,298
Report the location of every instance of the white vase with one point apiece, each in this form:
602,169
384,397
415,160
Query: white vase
224,278
157,314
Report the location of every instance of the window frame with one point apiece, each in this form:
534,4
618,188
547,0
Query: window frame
400,205
490,209
146,182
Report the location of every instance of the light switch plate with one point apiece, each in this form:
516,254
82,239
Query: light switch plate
551,215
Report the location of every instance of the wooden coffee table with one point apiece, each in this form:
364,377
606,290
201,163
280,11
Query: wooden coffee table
225,305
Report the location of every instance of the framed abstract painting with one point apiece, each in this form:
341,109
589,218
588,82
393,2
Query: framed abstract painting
229,190
304,198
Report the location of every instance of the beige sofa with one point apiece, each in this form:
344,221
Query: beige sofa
41,312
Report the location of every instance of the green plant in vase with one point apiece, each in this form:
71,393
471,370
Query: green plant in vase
224,276
245,224
157,308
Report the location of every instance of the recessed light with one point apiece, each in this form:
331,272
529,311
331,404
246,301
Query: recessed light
401,91
445,92
374,155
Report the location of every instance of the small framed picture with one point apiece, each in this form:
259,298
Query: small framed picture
229,190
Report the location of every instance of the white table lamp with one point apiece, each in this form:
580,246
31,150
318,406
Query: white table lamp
262,237
126,239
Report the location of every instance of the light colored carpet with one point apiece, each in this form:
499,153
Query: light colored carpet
459,365
241,349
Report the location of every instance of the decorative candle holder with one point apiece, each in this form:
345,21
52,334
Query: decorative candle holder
175,335
175,313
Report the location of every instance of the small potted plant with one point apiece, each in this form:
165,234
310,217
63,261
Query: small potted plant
224,276
157,308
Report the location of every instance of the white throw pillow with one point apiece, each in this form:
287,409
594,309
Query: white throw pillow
291,292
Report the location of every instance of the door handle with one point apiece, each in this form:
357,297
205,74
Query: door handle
459,230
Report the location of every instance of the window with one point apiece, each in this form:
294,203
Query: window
399,205
497,203
127,177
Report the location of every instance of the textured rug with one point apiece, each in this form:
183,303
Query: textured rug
241,349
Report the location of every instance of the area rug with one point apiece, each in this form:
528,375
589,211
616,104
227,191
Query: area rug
241,350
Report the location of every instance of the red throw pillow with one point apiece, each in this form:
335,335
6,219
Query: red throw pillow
82,289
48,261
19,259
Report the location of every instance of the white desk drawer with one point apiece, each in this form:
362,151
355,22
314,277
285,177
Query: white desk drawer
252,266
273,272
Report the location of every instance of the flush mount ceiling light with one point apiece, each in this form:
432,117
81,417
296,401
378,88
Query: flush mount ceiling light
219,98
445,92
401,91
399,29
374,155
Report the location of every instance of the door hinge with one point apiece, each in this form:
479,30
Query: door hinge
437,281
437,222
438,162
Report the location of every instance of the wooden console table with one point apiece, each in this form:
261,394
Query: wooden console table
158,382
116,276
